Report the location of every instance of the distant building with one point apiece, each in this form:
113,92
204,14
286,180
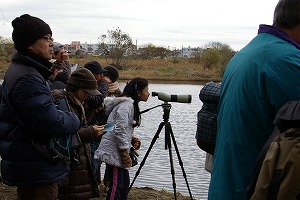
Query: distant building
93,49
188,52
73,47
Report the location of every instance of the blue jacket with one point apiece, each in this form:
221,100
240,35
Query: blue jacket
258,80
27,95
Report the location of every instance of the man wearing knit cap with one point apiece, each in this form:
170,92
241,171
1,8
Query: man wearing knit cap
29,116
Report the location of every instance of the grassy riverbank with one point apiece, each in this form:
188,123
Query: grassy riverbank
156,69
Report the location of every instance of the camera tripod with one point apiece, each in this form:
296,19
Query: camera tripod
168,135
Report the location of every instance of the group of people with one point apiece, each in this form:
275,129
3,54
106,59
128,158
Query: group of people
40,74
258,80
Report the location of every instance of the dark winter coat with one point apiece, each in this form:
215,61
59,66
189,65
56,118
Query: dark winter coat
26,95
82,183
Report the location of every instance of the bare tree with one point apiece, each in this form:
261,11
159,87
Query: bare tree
150,51
6,49
115,44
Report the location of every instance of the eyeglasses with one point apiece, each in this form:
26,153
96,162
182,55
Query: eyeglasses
48,38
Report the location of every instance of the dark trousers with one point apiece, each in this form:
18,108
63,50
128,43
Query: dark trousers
95,164
38,192
118,183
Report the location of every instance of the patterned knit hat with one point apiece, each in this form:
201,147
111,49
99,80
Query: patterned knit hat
27,30
84,79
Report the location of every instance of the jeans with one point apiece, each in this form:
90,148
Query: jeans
95,164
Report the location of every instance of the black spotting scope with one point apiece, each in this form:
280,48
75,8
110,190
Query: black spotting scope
182,98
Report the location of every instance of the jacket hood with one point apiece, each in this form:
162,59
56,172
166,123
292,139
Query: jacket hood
111,102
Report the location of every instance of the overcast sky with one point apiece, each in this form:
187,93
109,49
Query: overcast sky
168,23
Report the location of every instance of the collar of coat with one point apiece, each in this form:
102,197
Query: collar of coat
42,65
263,28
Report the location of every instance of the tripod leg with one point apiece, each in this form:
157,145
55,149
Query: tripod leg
147,153
168,144
180,161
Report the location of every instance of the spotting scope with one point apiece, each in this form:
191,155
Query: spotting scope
182,98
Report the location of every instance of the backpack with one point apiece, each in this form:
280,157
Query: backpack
207,117
277,172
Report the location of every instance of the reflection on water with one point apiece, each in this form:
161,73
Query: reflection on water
156,172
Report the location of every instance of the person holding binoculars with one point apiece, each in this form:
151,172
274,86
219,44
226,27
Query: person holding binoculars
61,60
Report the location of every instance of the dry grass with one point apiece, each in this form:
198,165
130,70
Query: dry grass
156,69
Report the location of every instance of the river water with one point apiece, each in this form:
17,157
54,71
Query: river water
156,172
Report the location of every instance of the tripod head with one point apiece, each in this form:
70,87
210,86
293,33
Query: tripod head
166,107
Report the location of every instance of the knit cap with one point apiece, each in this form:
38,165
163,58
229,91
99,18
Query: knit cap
27,30
94,67
84,79
112,73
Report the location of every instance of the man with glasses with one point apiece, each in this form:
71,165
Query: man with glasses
28,113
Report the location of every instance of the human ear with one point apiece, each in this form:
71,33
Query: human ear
30,48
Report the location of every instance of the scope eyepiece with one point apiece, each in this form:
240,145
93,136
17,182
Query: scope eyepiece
154,94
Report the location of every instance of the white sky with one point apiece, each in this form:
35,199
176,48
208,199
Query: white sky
168,23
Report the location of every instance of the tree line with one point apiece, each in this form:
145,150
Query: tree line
117,45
